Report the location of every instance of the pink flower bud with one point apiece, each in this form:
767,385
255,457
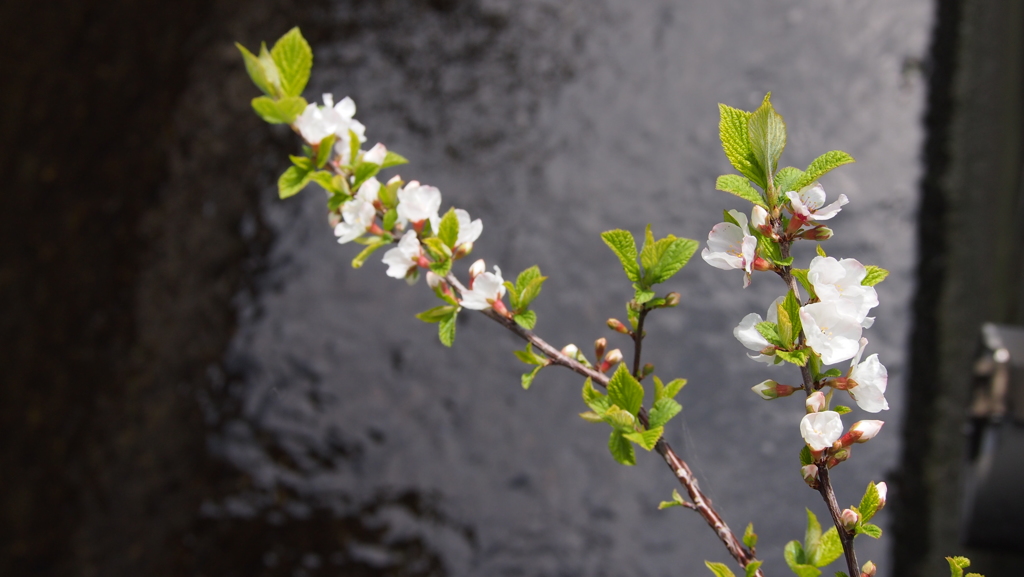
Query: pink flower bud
612,358
815,402
477,269
766,390
617,326
599,347
868,570
849,518
862,432
810,475
817,233
882,490
762,264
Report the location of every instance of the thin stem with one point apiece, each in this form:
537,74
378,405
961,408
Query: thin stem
845,537
638,339
700,502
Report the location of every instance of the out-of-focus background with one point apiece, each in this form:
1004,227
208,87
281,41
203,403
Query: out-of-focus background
195,382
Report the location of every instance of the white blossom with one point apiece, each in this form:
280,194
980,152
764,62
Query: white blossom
731,246
864,431
417,203
820,430
358,215
831,333
839,281
376,154
404,257
486,288
469,230
868,387
815,402
809,201
747,334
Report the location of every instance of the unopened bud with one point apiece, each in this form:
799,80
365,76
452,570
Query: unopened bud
395,179
767,390
758,217
570,350
333,219
599,347
646,370
849,518
617,326
882,490
810,475
672,299
861,432
463,250
477,268
838,457
612,358
815,402
761,264
868,570
817,233
434,281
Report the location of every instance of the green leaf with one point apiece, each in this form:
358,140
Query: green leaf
841,574
767,133
448,229
621,448
875,275
770,332
674,254
733,132
530,291
785,178
303,162
811,536
800,274
255,69
526,277
822,165
526,319
957,565
719,569
829,549
437,314
794,554
789,319
832,373
441,268
769,250
873,531
648,252
740,186
677,501
270,69
672,388
663,411
366,252
363,171
625,391
326,181
805,456
642,296
591,416
323,150
842,409
336,200
527,378
749,537
594,398
446,330
529,357
283,111
798,357
620,419
436,248
622,244
390,218
869,503
752,568
646,439
393,159
294,60
292,181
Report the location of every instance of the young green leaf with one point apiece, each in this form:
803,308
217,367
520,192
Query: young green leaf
873,531
448,229
869,503
785,178
749,537
436,248
594,398
832,373
957,565
672,388
875,275
805,456
677,501
767,133
446,329
441,268
437,314
829,549
797,560
283,111
530,290
663,411
360,258
393,159
363,171
326,181
790,309
770,332
674,253
800,274
255,69
842,409
390,218
732,130
622,244
591,417
719,569
822,165
812,535
527,378
798,357
740,186
621,448
294,60
646,439
303,162
526,319
292,181
752,568
324,149
270,69
643,295
625,391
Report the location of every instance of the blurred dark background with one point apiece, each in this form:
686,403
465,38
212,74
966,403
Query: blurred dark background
106,462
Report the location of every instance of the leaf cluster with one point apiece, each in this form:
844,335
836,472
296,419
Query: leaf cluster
281,73
818,550
522,293
957,566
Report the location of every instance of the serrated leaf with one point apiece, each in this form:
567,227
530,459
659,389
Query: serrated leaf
793,552
672,388
674,256
648,252
642,296
770,332
869,503
767,133
393,159
360,259
292,181
326,181
625,391
749,537
624,246
527,276
283,111
829,549
769,250
873,531
875,275
805,456
662,412
446,330
719,569
594,398
531,291
621,449
812,535
646,439
255,69
294,60
842,409
323,150
789,319
619,419
740,186
732,131
798,357
822,165
448,229
527,378
785,178
437,314
526,319
752,568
